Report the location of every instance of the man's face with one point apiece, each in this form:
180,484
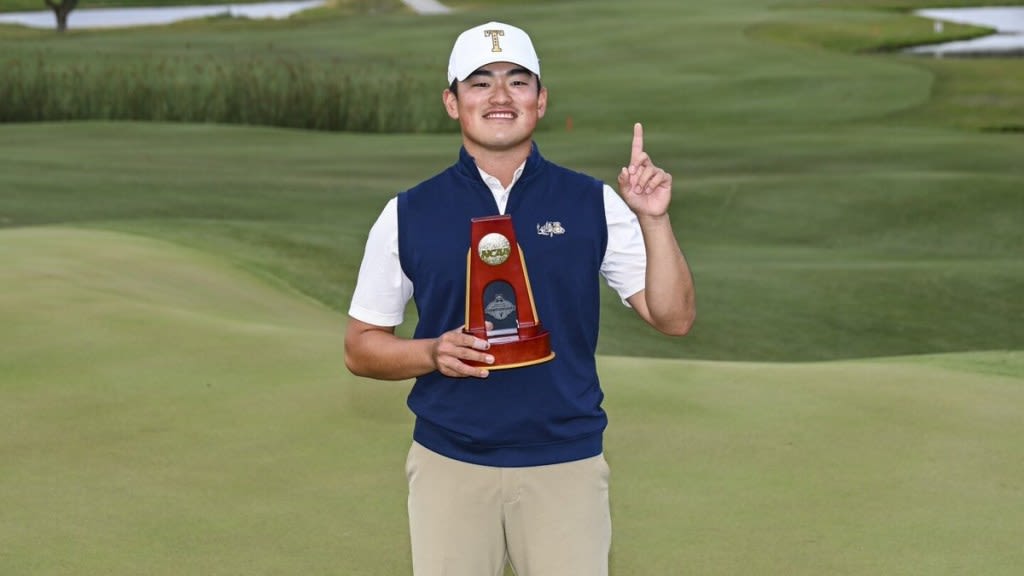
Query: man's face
497,106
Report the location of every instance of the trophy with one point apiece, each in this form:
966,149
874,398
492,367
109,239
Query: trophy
499,301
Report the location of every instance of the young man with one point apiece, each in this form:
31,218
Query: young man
507,465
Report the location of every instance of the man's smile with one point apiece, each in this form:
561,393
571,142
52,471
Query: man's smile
501,115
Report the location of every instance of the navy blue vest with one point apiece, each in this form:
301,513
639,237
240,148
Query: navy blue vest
542,414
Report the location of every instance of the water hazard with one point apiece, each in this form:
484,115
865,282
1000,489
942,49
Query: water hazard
128,17
1007,21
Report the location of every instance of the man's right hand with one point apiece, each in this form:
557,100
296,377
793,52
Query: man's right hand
454,346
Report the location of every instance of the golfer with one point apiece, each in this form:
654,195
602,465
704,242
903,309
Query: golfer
507,466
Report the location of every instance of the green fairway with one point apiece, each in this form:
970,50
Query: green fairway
166,413
858,242
173,397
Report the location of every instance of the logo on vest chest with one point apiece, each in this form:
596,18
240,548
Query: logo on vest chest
550,229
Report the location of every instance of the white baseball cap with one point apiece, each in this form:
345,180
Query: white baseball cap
489,43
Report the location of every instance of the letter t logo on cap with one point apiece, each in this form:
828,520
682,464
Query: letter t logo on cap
493,35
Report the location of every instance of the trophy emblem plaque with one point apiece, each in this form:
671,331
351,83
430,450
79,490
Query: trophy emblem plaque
498,292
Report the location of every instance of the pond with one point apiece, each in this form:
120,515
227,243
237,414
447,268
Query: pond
126,17
1007,21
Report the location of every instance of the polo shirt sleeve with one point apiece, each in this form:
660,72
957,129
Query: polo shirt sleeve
625,258
382,288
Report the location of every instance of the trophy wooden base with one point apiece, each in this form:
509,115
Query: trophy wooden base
517,352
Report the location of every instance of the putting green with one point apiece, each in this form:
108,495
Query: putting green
891,466
163,412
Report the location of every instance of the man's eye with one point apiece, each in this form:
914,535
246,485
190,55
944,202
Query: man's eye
480,85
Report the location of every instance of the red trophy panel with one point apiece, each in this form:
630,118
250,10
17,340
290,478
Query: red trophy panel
498,292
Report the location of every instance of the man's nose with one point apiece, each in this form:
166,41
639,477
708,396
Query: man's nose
501,93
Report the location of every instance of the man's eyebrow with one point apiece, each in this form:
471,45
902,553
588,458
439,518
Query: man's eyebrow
490,74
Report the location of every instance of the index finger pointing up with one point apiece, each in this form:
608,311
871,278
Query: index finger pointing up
638,144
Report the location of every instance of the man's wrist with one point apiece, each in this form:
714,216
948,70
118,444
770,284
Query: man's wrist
654,220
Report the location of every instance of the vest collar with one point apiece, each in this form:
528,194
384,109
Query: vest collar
467,165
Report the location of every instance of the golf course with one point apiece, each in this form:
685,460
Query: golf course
183,211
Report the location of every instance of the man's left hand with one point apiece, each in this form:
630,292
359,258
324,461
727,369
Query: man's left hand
646,189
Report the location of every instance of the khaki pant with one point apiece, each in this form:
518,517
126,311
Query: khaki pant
468,520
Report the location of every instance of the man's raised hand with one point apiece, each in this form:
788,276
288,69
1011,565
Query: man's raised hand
646,188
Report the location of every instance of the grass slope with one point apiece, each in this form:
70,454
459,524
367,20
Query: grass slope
163,412
855,242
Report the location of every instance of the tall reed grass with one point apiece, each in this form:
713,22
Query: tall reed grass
276,91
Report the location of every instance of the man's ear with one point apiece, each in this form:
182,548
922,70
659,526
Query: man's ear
451,103
542,102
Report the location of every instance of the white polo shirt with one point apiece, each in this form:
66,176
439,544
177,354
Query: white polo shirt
383,290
